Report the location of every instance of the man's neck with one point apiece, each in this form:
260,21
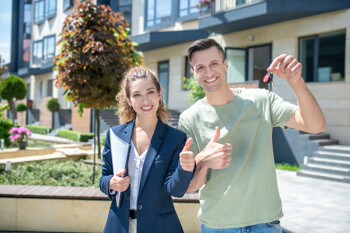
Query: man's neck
220,97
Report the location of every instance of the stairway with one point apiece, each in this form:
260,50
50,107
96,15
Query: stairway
173,119
330,162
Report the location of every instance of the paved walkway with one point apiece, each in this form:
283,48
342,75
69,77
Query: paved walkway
313,205
49,138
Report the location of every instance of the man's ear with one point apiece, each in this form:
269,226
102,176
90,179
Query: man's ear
226,65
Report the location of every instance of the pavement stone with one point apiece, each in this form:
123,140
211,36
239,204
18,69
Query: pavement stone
313,205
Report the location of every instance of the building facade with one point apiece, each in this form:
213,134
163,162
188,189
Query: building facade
253,32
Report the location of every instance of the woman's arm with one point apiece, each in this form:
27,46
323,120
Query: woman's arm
177,179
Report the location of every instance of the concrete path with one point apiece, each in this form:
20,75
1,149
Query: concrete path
49,138
313,205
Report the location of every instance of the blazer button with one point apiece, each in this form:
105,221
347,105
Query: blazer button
139,207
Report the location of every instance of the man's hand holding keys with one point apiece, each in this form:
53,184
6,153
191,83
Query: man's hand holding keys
216,155
118,182
187,160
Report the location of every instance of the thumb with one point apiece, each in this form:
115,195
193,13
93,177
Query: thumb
121,173
187,145
216,135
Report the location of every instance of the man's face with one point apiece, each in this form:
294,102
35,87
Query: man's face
209,69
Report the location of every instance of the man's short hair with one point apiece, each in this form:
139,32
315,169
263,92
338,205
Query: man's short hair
204,44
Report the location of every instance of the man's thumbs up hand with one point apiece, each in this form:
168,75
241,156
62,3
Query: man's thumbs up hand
187,160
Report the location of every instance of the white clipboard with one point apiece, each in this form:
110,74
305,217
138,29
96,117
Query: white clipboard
120,153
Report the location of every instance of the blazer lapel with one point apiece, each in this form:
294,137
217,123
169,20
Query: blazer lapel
151,153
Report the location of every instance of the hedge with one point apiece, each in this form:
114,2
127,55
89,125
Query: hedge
38,129
5,126
74,135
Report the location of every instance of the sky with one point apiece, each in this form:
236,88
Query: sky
5,29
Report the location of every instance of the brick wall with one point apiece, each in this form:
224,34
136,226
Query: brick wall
81,124
21,116
45,114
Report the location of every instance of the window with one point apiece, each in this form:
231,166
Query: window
159,12
163,73
188,7
248,64
49,87
27,20
125,7
323,57
49,48
67,4
26,53
37,52
50,8
39,16
188,73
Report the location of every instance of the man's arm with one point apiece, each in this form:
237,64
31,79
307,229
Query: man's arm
215,156
309,116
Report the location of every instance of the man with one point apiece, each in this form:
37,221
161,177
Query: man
232,141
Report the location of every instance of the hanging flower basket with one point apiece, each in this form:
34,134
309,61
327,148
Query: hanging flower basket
205,6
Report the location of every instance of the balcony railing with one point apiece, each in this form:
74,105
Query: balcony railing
225,5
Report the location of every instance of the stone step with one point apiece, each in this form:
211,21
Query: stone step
329,162
324,176
327,169
325,142
331,155
319,136
336,148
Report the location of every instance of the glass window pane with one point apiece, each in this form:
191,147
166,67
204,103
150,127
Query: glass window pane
236,65
163,72
331,57
307,50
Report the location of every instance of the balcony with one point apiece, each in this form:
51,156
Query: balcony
236,15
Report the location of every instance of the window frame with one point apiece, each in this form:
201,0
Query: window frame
50,13
38,60
316,37
170,23
189,16
44,58
69,5
36,19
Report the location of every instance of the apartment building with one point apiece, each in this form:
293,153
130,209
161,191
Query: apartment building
36,28
252,33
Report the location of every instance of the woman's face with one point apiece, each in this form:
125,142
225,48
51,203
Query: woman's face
144,97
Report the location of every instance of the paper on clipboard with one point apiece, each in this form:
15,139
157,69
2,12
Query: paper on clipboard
119,152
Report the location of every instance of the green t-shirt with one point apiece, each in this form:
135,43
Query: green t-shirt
246,192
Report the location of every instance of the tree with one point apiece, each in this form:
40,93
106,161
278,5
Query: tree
13,88
53,106
3,68
196,91
95,52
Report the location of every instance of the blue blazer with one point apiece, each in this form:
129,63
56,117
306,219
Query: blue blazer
162,177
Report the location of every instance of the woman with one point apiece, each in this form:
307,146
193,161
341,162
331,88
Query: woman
153,172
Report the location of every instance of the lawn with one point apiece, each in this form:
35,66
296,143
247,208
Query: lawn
288,167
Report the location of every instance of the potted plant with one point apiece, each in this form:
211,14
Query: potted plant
20,135
205,6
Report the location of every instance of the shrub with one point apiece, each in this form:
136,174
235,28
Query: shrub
53,105
38,129
5,126
74,135
21,107
196,91
53,173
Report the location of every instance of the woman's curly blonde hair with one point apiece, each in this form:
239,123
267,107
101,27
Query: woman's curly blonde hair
125,111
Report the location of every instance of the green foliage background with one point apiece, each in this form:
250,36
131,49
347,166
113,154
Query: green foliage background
51,173
196,91
38,129
53,105
21,107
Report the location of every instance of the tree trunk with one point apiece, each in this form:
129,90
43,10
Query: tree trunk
12,106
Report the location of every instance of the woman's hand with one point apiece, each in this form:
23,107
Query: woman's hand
187,160
118,182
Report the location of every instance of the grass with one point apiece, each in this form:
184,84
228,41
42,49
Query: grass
288,167
38,143
52,173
